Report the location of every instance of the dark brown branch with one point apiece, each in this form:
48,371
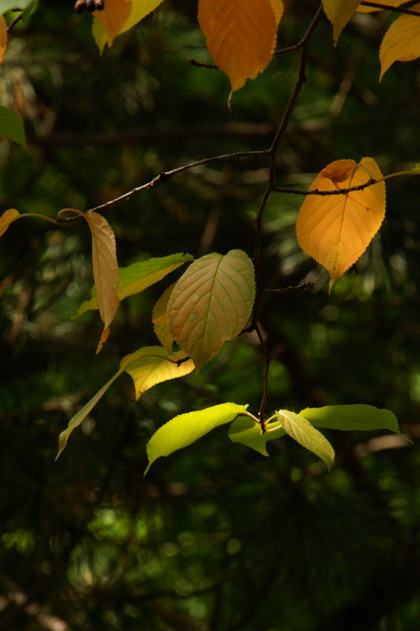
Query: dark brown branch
387,7
15,20
337,191
286,290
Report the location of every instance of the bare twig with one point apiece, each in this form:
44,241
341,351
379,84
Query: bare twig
387,7
337,191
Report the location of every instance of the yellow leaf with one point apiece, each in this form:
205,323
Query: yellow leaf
151,365
139,10
105,270
339,12
160,319
112,19
240,35
8,217
390,3
3,37
335,230
401,41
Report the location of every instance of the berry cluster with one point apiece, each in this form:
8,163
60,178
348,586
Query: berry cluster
89,5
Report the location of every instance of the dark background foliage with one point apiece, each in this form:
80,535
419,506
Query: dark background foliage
216,537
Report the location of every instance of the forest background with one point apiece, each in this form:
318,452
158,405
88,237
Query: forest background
216,537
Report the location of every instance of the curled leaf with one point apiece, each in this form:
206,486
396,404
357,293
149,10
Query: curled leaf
306,435
8,217
211,303
160,319
335,230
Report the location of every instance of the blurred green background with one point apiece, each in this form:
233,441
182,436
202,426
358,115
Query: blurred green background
216,537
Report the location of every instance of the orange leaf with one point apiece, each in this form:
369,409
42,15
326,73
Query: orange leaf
113,18
8,217
105,270
401,41
339,12
240,35
3,37
335,230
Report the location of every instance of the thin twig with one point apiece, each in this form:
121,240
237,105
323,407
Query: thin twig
337,191
286,290
15,20
387,7
267,362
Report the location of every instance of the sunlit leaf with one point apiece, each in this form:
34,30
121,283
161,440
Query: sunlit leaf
139,10
3,38
105,270
335,230
151,365
248,432
211,303
185,429
112,19
139,276
82,414
306,435
160,319
240,35
351,417
401,42
11,126
339,12
8,217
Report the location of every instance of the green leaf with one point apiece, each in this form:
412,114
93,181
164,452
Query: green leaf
185,429
211,303
139,276
151,365
351,417
80,416
6,5
11,126
306,435
248,433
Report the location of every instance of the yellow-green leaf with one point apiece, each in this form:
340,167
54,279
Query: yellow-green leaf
105,270
240,35
211,304
335,230
339,12
151,365
185,429
80,416
160,319
355,417
248,432
139,276
401,42
306,435
139,10
11,126
112,19
8,217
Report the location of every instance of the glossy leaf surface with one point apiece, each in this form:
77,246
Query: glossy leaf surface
306,435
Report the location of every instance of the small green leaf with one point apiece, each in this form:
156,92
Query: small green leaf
80,416
151,365
351,417
248,433
11,126
211,304
139,276
306,435
185,429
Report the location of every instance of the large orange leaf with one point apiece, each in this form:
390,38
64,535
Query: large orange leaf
8,217
335,230
3,37
401,41
211,303
105,270
240,35
339,12
113,18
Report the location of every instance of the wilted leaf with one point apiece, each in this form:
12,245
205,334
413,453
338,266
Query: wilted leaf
11,126
351,417
153,364
3,38
185,429
248,432
211,303
105,270
335,230
112,19
160,319
82,414
8,217
339,12
139,276
240,35
306,435
401,42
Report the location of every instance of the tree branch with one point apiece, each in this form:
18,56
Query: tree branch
387,7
